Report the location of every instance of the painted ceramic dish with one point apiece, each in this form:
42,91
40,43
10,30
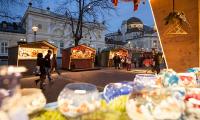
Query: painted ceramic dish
195,70
187,80
154,104
114,90
33,99
169,78
78,98
147,80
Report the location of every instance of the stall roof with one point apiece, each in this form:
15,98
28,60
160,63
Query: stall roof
113,49
93,49
37,43
120,49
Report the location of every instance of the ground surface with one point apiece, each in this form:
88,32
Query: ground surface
98,77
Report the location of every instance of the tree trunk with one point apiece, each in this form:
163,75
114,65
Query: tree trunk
76,41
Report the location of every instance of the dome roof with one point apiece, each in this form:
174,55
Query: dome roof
134,20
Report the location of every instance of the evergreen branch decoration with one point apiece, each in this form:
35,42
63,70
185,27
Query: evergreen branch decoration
176,16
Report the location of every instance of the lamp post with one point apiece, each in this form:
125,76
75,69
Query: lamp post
35,29
154,44
90,43
129,43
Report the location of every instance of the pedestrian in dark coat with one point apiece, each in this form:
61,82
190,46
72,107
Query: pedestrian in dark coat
41,64
156,64
115,61
118,61
48,65
54,65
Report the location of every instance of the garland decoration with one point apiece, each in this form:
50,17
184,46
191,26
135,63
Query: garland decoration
176,16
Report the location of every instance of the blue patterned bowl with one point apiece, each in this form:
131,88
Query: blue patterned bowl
114,90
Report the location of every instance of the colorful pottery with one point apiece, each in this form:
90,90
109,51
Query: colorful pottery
78,98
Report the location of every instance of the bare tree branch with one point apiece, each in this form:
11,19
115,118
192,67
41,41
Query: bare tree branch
8,8
84,14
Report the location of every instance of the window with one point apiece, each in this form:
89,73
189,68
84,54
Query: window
61,47
39,26
4,47
99,50
59,32
154,43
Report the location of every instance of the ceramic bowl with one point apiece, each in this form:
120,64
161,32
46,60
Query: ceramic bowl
113,90
153,104
78,98
33,99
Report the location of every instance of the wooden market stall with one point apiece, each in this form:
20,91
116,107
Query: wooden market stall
78,57
107,56
26,54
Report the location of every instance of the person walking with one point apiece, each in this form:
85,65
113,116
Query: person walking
128,63
134,62
48,65
141,59
124,62
41,64
119,62
156,63
115,61
54,65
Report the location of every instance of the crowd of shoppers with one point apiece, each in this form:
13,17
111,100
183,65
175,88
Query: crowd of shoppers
152,61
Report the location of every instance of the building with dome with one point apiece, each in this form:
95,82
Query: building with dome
132,28
136,35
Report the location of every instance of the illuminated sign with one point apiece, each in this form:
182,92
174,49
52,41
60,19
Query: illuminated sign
30,53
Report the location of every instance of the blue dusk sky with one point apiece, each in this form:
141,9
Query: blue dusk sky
124,11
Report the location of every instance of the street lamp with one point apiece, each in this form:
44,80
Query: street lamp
154,44
129,43
155,28
90,43
35,29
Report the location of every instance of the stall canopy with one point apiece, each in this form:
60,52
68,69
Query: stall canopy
78,57
26,54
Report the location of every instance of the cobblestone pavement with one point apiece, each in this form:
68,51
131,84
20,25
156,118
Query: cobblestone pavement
98,77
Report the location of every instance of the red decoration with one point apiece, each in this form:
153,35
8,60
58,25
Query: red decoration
135,2
115,2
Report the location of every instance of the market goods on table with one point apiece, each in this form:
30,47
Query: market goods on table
33,99
195,70
11,107
147,80
168,95
187,79
48,115
113,90
154,104
169,78
78,98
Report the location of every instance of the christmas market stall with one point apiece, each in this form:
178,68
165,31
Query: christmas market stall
108,54
78,57
26,54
